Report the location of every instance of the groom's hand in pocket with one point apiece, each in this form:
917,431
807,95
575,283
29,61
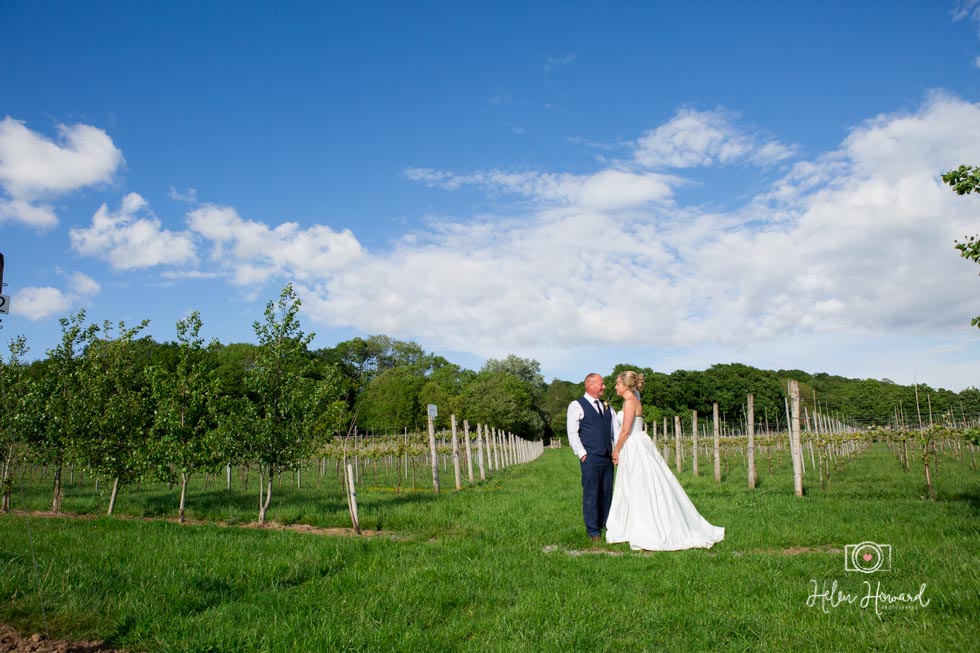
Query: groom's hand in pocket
584,457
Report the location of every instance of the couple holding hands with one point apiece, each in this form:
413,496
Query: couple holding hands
649,508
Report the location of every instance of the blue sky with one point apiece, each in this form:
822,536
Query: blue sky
665,184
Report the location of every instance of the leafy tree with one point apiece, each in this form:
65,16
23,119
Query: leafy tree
288,402
965,180
117,444
554,405
233,361
391,400
183,418
59,415
526,369
13,381
362,359
444,388
504,401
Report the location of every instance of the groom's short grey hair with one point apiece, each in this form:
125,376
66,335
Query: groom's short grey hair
590,375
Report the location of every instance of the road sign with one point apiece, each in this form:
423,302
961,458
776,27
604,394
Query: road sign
433,411
4,304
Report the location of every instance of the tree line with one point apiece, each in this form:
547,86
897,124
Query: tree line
124,407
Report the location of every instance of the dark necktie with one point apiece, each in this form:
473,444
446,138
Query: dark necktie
597,406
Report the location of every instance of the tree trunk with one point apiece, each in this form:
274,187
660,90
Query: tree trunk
112,496
56,502
183,496
264,507
5,484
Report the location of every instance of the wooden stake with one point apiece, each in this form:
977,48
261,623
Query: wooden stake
717,437
750,429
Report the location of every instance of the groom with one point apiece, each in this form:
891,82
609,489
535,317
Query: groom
590,436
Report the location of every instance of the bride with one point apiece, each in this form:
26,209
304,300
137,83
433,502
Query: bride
650,509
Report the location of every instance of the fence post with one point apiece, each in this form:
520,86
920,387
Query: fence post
469,449
794,435
717,436
459,484
750,429
435,458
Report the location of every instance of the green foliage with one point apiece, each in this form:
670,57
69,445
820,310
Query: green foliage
13,389
525,369
287,400
965,180
505,401
183,395
115,388
390,401
554,404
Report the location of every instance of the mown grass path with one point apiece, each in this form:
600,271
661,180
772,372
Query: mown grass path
505,566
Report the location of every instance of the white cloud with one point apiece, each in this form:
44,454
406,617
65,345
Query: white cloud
42,217
132,237
976,62
605,190
82,284
33,167
703,138
37,303
967,9
189,196
850,244
855,242
254,253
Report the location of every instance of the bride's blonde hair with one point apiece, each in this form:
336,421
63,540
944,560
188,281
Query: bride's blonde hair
631,380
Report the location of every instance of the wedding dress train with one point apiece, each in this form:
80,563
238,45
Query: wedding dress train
650,509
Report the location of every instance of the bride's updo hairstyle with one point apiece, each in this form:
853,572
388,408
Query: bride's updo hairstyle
631,380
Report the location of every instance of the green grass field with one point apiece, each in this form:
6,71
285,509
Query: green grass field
504,566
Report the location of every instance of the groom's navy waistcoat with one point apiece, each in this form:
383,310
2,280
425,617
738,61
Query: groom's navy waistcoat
595,430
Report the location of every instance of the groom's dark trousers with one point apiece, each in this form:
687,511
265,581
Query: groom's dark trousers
595,432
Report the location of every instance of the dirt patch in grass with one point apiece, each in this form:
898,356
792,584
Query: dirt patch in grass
12,642
796,550
296,528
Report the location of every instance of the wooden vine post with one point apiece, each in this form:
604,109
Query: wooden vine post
796,449
717,434
750,429
694,442
352,499
456,471
677,443
469,449
479,450
432,449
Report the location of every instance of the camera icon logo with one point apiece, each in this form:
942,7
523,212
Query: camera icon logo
867,557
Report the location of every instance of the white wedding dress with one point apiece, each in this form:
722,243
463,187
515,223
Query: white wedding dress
650,509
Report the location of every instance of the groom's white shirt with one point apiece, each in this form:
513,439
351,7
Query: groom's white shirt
576,415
